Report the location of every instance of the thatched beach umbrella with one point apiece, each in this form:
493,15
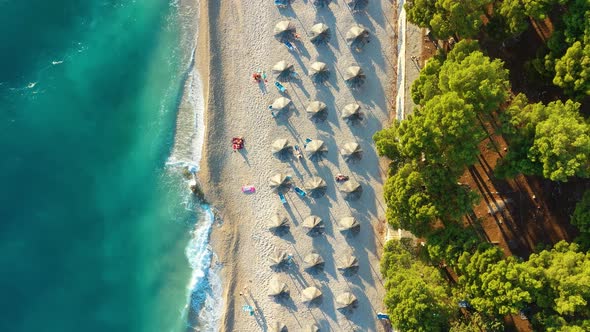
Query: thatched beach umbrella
357,37
321,3
281,104
312,328
284,30
355,5
319,72
351,190
316,110
310,293
345,299
278,257
348,262
351,111
351,150
354,76
277,220
278,180
313,260
320,34
311,222
279,145
283,70
316,149
348,223
277,327
277,287
316,186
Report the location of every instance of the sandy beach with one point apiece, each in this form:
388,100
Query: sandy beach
241,41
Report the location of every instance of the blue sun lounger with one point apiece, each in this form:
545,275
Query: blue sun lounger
289,45
281,87
282,197
281,3
300,192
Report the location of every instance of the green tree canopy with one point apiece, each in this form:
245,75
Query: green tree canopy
562,142
443,132
446,18
551,140
470,74
479,81
417,297
572,71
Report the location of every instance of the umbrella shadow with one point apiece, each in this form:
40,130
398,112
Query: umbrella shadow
286,301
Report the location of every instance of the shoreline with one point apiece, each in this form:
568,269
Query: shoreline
218,68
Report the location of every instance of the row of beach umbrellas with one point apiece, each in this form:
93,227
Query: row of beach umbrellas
350,150
357,36
350,111
279,220
350,188
354,76
309,294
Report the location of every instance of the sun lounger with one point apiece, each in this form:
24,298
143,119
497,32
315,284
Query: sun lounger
290,46
297,152
300,192
283,199
281,3
281,87
247,189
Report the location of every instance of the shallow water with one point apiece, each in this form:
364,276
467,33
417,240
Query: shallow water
95,227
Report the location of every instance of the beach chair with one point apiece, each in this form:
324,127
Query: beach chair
297,152
282,198
280,87
281,3
300,192
290,46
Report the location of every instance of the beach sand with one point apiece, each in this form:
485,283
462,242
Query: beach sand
240,41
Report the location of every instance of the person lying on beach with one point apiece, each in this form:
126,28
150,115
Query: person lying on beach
341,177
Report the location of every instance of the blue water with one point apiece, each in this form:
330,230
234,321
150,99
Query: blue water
94,225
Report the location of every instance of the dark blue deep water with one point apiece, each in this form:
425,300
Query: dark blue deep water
93,226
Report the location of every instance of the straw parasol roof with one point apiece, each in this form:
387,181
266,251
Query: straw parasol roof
284,30
312,328
281,103
348,223
278,257
313,259
357,37
345,299
351,189
316,148
316,186
310,294
283,70
277,180
354,76
320,34
319,72
355,5
351,150
312,222
351,110
277,327
277,287
349,261
277,220
316,109
280,145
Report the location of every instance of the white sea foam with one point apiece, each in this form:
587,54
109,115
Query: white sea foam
204,288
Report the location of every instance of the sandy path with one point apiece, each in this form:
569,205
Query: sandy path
241,42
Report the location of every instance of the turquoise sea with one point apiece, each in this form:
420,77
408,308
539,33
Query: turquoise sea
97,230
